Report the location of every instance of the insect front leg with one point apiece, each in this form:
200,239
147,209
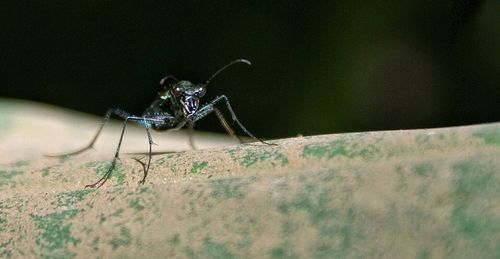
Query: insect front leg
150,141
190,135
226,125
159,121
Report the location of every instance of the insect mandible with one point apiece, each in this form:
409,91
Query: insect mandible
177,105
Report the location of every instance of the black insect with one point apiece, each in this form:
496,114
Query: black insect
176,106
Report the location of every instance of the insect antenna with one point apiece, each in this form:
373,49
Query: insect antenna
164,80
226,66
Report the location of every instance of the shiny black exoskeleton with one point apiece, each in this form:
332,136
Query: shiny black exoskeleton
176,105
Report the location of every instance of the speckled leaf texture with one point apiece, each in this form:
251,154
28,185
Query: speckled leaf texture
432,193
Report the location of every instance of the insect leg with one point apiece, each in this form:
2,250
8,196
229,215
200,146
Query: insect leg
190,135
208,108
106,175
147,121
113,111
226,125
150,140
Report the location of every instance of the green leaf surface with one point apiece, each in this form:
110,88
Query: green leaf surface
432,193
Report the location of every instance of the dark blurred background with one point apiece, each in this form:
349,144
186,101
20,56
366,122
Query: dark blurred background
318,66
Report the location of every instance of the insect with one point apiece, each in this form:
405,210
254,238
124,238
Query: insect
177,105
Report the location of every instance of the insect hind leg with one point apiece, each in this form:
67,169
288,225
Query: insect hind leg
112,111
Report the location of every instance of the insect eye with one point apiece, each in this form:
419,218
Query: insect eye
201,90
177,90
